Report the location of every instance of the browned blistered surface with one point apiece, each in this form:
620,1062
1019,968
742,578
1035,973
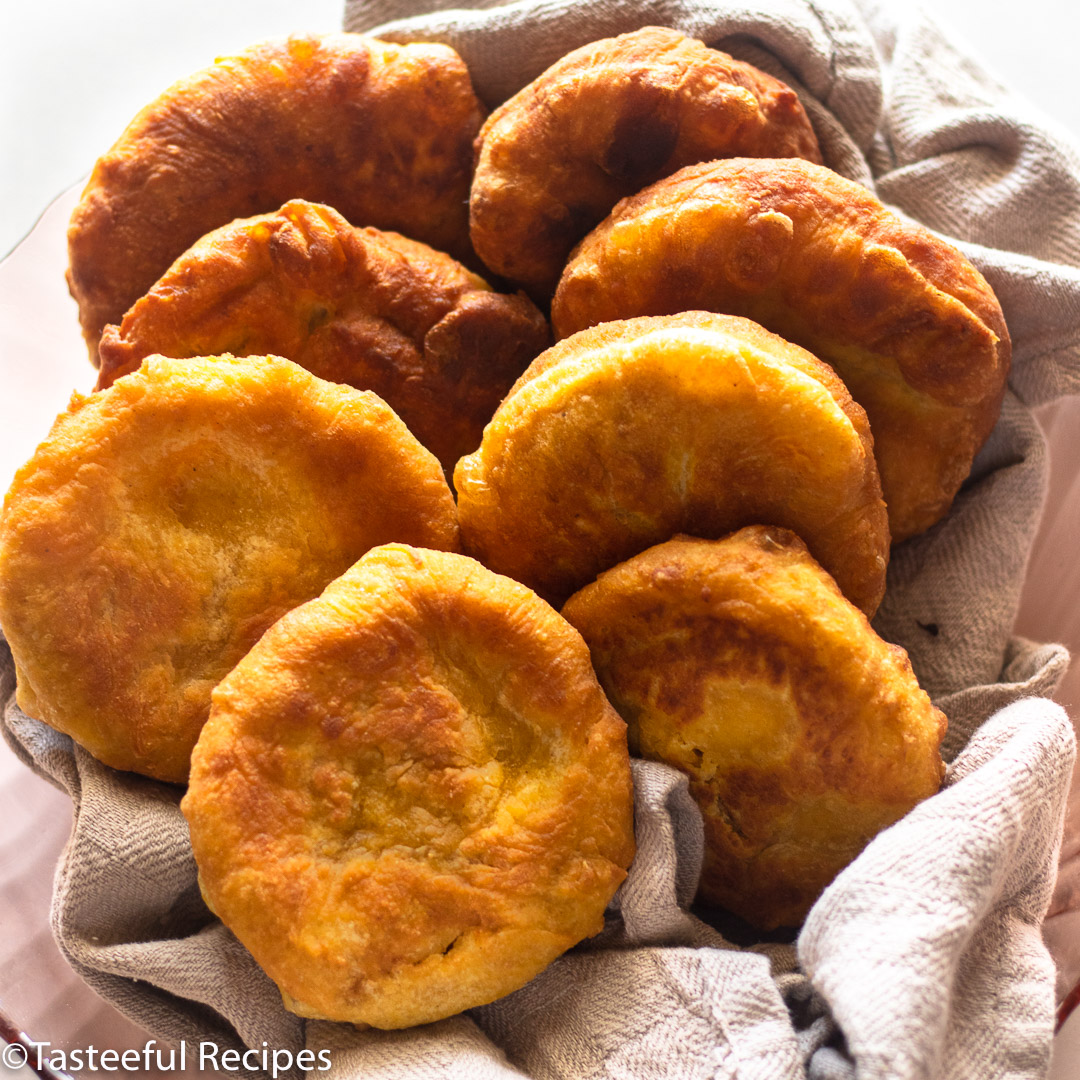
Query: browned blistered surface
166,522
603,122
908,323
739,662
359,306
628,433
381,132
412,794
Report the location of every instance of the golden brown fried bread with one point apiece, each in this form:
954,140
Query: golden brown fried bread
412,794
602,123
804,734
358,306
381,132
166,522
623,435
908,323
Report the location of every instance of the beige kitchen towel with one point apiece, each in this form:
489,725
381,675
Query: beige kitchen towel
924,958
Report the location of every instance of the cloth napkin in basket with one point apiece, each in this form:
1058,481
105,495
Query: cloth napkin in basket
924,958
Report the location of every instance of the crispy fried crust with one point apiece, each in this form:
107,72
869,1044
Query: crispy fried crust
358,306
381,132
630,432
908,323
411,795
168,521
739,662
603,122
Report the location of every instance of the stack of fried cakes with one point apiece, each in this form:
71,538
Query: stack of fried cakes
300,548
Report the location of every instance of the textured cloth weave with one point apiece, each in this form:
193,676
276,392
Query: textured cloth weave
924,958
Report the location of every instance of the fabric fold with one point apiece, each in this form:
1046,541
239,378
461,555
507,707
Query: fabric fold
953,896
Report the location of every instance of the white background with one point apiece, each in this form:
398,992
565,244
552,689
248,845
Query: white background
74,72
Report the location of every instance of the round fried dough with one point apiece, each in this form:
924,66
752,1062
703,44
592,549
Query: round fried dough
739,662
623,435
166,522
358,306
412,794
381,132
603,122
908,323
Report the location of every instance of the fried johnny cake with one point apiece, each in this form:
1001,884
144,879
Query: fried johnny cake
364,307
739,662
381,132
625,434
166,522
412,794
